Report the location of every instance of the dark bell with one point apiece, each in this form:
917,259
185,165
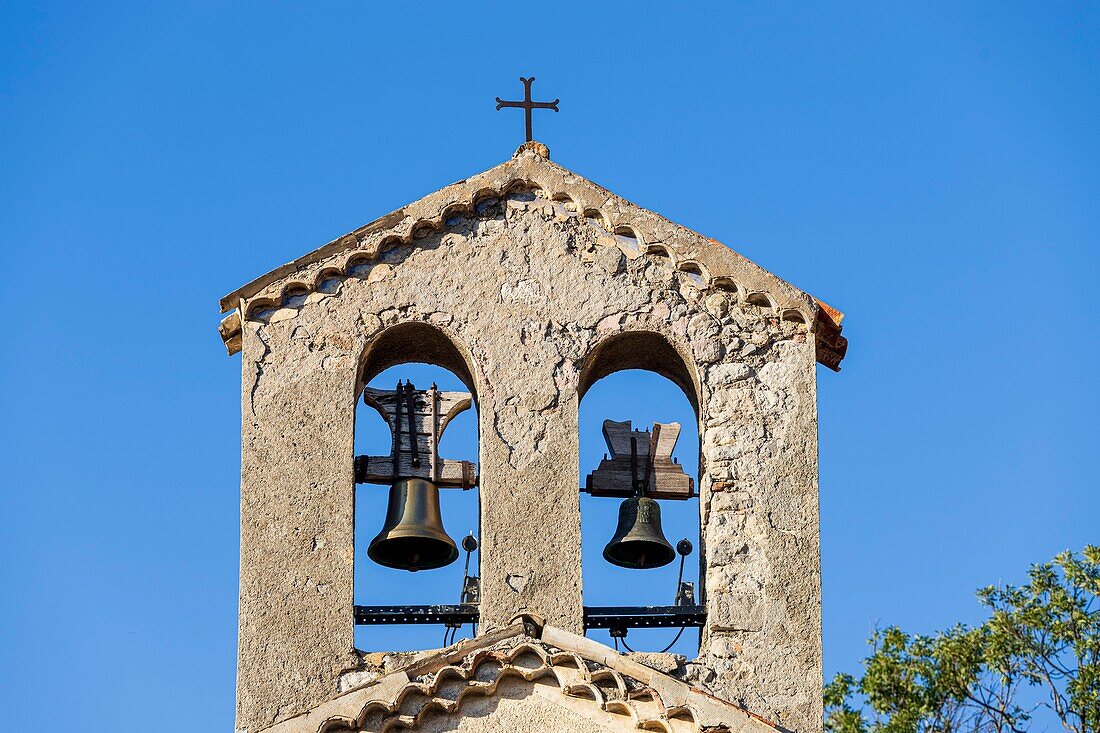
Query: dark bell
639,542
413,537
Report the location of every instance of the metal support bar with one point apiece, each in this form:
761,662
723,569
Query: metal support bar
462,613
643,617
595,617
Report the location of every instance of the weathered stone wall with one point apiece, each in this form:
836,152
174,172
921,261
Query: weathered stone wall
527,289
761,559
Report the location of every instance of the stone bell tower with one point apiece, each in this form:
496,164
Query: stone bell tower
530,283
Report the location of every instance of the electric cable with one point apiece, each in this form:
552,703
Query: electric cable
674,640
679,580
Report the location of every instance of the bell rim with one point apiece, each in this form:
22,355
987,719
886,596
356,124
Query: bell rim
384,562
609,556
411,533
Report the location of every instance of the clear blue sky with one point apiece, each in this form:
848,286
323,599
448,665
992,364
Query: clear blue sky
931,169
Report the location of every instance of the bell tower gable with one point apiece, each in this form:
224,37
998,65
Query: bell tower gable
530,284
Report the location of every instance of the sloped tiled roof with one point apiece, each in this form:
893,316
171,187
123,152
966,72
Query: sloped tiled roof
580,672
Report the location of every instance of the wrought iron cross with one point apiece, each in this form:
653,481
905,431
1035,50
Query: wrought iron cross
527,105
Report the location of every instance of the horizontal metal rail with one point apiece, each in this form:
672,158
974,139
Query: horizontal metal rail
595,617
643,617
462,613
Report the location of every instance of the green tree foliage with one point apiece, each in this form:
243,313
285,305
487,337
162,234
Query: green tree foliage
1042,636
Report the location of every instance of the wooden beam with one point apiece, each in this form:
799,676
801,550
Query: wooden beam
379,470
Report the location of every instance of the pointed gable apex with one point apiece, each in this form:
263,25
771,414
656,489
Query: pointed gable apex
530,173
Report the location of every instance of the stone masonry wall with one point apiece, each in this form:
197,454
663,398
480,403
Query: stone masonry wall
527,287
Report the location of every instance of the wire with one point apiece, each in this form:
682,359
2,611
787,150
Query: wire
674,640
449,631
682,628
675,601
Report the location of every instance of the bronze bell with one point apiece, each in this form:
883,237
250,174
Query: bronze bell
413,537
639,542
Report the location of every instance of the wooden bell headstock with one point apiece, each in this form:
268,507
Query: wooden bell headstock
640,455
417,419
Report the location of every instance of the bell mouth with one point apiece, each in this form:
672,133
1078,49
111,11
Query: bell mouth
639,554
413,553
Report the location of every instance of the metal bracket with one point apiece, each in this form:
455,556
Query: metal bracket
471,590
685,594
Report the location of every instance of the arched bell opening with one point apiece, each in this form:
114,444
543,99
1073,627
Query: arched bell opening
641,378
419,343
424,357
642,350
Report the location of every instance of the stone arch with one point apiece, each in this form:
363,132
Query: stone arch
416,342
641,349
